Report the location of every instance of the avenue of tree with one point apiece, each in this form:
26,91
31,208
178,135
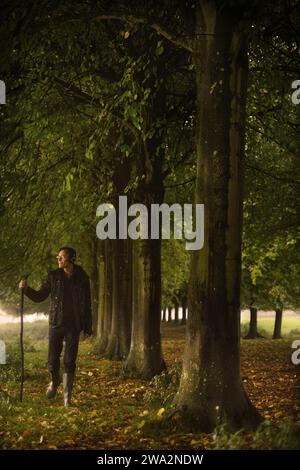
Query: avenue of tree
176,102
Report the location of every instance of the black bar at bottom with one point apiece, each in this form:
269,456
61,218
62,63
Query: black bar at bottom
135,458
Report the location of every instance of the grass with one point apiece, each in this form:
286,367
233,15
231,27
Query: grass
290,325
39,330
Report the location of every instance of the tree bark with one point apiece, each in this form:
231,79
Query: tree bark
119,338
95,290
253,333
101,288
169,314
145,356
105,322
164,314
278,323
211,390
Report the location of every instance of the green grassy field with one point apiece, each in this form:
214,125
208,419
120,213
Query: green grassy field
290,325
38,330
33,332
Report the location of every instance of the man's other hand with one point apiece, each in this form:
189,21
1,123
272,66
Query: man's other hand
22,284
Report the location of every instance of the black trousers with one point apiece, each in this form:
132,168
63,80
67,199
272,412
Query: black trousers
56,338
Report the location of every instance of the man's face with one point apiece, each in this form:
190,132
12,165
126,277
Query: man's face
63,259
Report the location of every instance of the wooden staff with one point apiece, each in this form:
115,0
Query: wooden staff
21,340
21,343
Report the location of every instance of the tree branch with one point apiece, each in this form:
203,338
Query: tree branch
184,158
162,30
275,177
180,184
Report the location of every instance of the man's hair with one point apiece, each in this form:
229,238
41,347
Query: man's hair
71,252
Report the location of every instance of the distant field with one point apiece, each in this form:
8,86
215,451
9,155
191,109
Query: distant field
265,321
38,330
32,331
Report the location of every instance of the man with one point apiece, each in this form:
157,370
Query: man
69,314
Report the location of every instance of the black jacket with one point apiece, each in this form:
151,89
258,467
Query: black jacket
54,285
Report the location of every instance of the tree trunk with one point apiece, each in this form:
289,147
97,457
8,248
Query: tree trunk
211,390
95,290
278,323
176,312
120,333
253,333
119,338
184,310
101,288
107,313
145,356
164,314
169,314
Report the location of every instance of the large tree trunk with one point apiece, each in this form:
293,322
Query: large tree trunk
211,391
145,356
120,333
278,323
253,333
119,338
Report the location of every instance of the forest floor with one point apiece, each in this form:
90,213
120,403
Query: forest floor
110,412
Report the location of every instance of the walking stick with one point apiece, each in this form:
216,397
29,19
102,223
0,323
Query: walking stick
21,340
22,345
